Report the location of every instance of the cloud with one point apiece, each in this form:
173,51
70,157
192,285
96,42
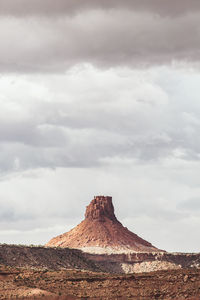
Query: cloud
62,7
115,38
90,117
190,205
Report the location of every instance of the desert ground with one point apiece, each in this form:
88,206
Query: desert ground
24,283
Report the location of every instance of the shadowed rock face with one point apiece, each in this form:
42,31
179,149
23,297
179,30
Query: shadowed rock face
100,208
101,232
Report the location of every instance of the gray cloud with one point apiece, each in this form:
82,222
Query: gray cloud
50,7
190,205
6,213
103,38
92,126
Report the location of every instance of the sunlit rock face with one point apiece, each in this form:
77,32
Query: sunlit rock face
101,232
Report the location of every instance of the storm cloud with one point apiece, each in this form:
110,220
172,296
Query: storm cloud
50,7
53,37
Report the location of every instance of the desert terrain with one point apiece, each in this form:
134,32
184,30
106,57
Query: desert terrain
20,283
98,259
54,273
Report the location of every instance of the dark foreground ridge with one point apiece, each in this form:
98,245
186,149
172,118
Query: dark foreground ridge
45,258
65,258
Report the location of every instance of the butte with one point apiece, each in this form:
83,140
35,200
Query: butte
101,232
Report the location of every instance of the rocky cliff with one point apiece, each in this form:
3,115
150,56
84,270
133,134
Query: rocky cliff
101,232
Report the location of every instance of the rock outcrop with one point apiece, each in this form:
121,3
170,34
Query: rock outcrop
100,208
101,232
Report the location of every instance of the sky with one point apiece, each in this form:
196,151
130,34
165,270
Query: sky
100,98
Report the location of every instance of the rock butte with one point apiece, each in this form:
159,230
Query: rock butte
101,232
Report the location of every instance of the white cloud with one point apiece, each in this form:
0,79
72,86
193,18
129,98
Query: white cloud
88,116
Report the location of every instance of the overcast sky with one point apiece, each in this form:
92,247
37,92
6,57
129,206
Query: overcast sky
100,97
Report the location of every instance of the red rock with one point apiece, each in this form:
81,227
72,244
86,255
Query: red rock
101,231
100,208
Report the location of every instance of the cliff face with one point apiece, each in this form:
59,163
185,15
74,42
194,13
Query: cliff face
100,208
101,232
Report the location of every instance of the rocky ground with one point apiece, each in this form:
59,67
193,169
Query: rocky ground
144,261
22,283
56,273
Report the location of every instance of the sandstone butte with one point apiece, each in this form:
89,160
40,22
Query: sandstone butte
101,232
